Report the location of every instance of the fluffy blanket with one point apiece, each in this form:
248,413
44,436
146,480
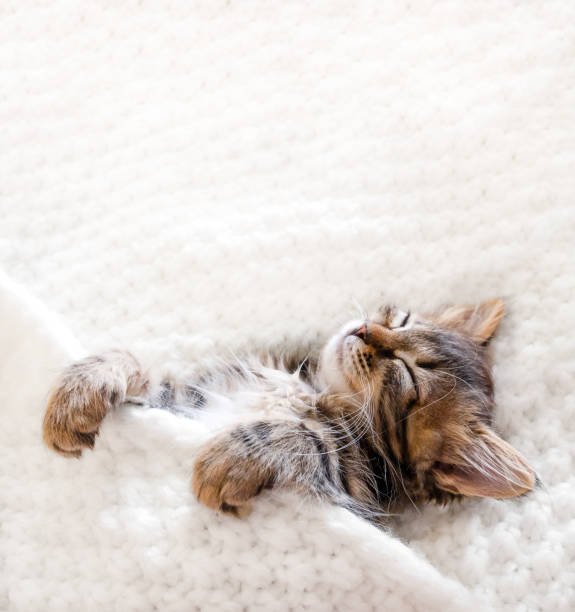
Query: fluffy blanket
186,177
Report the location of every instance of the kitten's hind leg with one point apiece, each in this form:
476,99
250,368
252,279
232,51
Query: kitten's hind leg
83,395
234,467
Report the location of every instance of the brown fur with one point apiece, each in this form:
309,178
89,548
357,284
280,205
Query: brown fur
82,397
405,414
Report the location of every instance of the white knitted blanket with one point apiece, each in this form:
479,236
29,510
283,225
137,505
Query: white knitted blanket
178,177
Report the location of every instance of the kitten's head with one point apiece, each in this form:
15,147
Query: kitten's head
427,384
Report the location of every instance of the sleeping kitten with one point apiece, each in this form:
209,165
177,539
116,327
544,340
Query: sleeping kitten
396,407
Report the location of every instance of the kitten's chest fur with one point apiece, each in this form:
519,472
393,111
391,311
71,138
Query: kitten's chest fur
250,389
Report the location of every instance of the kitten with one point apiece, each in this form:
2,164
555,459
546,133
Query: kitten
393,408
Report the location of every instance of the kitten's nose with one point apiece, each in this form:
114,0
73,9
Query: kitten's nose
377,336
360,332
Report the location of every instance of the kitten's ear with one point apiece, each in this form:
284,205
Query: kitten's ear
486,466
479,322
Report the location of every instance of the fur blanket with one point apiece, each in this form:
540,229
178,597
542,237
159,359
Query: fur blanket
179,178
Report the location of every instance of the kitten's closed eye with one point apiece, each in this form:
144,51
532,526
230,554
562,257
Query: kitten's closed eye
427,365
405,320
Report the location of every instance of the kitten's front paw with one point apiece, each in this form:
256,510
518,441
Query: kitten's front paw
73,415
227,483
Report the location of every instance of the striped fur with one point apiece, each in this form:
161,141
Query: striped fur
393,408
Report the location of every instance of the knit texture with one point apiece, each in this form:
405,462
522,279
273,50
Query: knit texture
180,178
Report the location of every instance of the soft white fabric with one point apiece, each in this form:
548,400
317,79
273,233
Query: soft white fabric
177,177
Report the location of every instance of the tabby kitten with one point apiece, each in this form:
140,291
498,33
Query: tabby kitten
393,408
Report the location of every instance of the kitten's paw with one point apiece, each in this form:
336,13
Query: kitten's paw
227,483
74,413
